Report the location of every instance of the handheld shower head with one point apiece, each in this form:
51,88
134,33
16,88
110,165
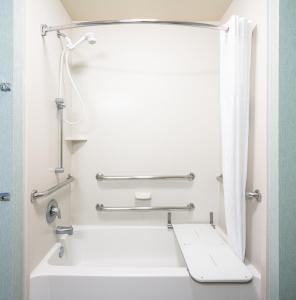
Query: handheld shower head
90,37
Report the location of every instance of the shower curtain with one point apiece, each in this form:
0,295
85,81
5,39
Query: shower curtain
235,47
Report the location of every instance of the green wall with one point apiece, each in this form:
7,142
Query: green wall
287,150
11,152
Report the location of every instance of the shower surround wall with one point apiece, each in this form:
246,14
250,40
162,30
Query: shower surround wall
152,96
41,127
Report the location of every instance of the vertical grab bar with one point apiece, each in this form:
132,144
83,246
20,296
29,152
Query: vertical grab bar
60,107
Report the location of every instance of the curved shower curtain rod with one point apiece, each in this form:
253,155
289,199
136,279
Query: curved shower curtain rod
45,28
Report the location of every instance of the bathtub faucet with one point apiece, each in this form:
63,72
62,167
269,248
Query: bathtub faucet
64,230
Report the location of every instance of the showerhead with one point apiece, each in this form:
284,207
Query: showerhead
90,37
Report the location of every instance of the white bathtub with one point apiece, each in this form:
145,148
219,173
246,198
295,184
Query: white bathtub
126,263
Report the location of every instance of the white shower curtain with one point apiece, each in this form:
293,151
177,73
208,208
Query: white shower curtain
234,96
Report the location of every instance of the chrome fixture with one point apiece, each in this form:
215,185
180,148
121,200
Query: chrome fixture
4,196
170,225
256,194
250,195
220,178
61,252
102,177
101,207
64,230
45,28
35,194
52,211
5,87
60,103
212,220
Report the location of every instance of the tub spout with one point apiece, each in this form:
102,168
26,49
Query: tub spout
64,230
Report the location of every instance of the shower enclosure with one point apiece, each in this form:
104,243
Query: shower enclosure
10,190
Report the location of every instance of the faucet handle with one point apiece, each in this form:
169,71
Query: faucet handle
52,211
55,211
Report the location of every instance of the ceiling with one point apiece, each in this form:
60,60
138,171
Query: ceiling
194,10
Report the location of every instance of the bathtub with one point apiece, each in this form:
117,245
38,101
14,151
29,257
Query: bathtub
126,263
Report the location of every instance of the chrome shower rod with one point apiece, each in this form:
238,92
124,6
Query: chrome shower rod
46,28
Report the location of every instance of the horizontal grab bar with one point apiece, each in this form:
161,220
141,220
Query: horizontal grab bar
102,177
35,194
101,207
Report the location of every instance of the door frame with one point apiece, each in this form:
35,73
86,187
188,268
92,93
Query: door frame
273,152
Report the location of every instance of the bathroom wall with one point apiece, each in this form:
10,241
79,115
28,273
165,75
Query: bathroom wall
286,204
41,63
256,11
86,10
11,217
151,94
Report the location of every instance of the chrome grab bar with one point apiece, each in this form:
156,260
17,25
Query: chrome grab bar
256,194
101,207
249,195
35,194
220,178
190,177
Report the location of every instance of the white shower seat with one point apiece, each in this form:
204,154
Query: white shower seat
208,257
